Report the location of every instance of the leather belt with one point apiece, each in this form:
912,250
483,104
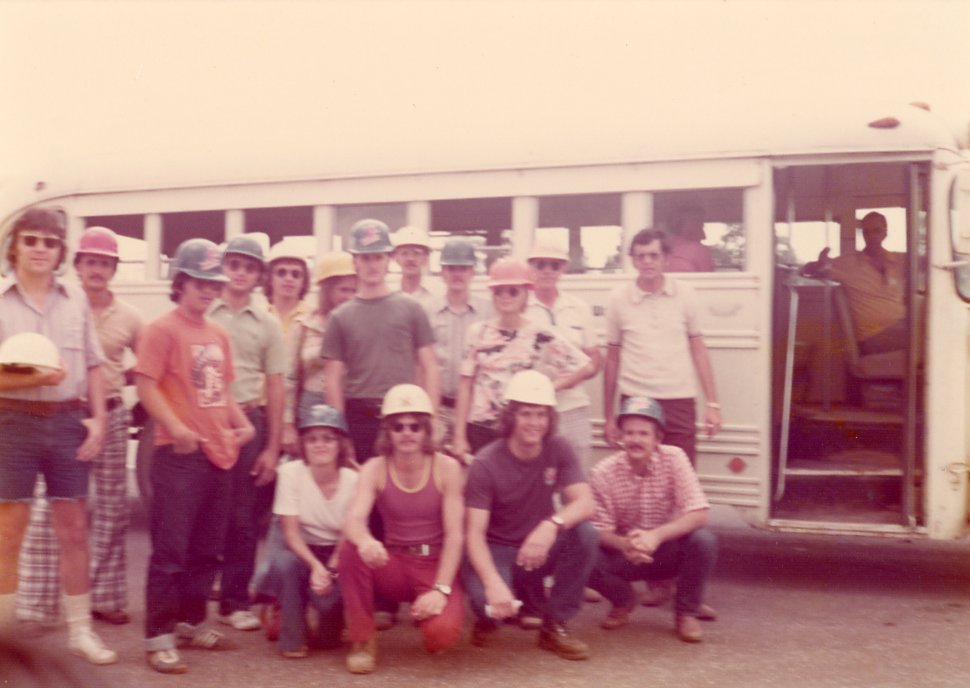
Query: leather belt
41,408
417,550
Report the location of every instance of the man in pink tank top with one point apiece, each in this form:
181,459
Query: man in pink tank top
418,495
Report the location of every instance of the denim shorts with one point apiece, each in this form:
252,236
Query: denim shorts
47,445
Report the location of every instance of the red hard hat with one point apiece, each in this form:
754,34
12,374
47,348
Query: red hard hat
98,241
511,272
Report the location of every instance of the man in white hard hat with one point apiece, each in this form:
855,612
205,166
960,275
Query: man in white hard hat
287,283
117,324
516,536
411,250
46,426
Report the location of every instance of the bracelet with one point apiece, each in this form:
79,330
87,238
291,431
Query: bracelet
713,405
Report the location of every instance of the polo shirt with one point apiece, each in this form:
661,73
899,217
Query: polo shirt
876,300
573,319
625,500
257,347
653,331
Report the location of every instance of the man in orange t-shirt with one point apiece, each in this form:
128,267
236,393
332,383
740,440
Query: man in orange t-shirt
183,374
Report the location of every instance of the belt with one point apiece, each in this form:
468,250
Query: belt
41,408
448,401
417,550
113,403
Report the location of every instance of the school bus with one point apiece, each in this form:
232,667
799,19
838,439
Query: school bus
817,436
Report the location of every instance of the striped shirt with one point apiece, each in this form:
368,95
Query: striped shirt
625,500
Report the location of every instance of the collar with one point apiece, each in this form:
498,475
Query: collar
637,295
11,280
219,304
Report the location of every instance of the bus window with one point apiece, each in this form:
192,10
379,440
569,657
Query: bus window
200,224
960,233
131,243
279,223
586,226
706,228
490,219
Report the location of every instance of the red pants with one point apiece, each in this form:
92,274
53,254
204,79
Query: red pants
402,579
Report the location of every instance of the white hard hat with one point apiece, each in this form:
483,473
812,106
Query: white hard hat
406,399
531,387
411,236
30,349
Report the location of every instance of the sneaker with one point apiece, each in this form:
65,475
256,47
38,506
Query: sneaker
166,662
482,632
241,620
298,653
556,638
617,618
87,644
688,629
363,657
204,638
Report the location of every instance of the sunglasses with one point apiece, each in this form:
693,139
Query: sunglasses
247,265
548,264
30,240
295,273
401,427
507,291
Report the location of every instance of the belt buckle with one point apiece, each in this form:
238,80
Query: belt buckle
425,550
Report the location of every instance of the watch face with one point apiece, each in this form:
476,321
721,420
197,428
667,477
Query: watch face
557,520
442,588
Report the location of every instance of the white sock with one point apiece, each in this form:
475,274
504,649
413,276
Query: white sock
8,612
78,611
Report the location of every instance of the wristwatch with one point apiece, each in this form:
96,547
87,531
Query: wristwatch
558,522
443,589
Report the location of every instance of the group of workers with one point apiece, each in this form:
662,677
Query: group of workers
418,444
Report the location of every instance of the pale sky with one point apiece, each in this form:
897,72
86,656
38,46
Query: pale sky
85,79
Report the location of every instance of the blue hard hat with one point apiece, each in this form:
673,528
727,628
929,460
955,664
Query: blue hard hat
370,236
323,416
644,407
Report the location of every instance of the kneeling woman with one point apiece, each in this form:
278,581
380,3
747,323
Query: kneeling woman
418,494
313,497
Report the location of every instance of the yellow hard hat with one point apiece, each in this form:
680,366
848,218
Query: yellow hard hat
336,264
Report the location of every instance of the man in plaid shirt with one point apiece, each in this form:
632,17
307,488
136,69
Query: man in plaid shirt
650,514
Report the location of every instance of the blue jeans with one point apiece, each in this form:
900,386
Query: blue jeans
690,559
570,561
42,444
190,510
288,580
242,530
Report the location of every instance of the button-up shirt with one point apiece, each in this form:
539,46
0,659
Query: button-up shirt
257,347
117,326
66,320
449,330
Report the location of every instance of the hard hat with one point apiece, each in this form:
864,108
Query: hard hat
548,251
336,264
406,399
30,349
458,252
323,416
245,245
199,258
289,250
370,236
98,241
644,407
411,236
509,272
531,387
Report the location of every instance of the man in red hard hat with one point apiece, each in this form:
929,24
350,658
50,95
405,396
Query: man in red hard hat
117,324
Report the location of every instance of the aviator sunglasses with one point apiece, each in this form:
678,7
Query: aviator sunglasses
401,427
295,273
30,240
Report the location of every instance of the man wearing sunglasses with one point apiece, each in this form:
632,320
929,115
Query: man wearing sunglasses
259,357
52,420
287,283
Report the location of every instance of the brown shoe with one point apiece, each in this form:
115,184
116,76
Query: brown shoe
617,618
689,629
363,657
706,613
556,639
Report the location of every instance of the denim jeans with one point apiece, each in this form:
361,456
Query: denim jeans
690,559
288,580
47,445
242,531
570,561
190,510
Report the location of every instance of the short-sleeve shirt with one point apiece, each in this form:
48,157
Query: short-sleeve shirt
67,321
257,347
493,355
573,319
377,340
304,367
297,494
653,331
625,500
117,326
519,494
449,330
876,300
192,364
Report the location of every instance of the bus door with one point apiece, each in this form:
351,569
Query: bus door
849,347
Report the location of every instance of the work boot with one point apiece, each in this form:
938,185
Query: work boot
555,638
363,657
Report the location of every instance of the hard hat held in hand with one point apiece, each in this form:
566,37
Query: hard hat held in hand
29,351
531,387
406,399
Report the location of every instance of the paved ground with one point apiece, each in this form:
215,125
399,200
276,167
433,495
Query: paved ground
795,611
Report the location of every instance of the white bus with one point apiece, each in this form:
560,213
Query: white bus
816,437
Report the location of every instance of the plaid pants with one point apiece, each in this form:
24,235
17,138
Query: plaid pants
39,589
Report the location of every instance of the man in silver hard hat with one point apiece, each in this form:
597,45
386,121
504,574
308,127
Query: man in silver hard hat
516,534
412,247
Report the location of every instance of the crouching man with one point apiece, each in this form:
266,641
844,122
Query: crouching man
515,535
650,514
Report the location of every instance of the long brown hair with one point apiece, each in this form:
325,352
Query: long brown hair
506,421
